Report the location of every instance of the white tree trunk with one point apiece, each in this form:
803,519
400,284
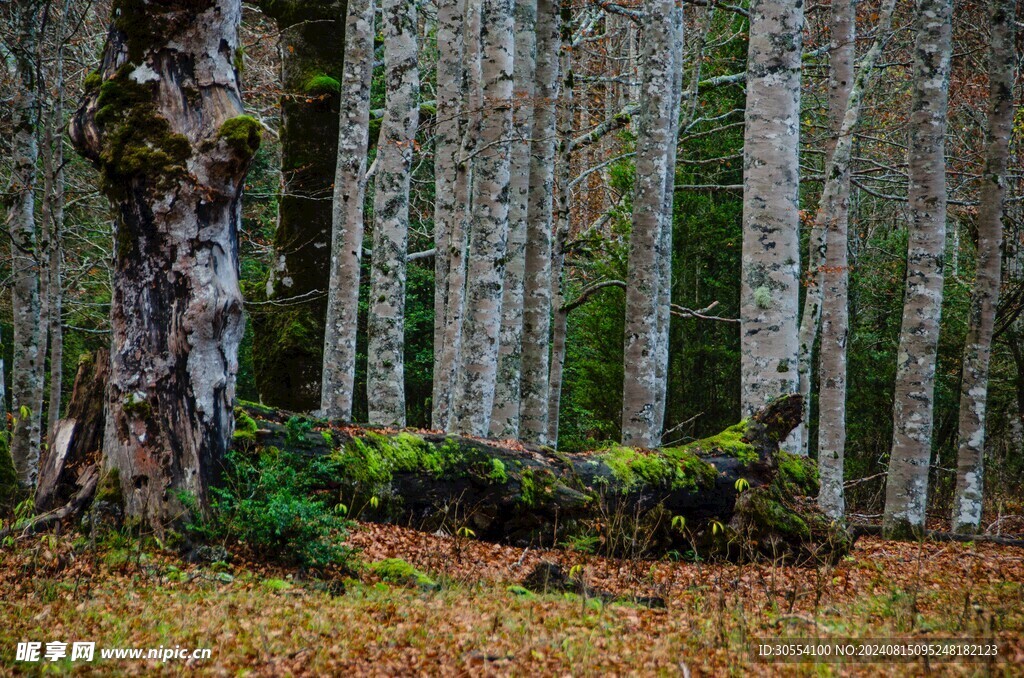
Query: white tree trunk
173,166
449,259
643,290
505,413
338,382
537,284
906,491
29,348
667,227
458,245
771,225
490,200
832,217
967,504
385,381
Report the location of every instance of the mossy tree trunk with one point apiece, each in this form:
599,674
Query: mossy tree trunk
619,500
163,123
288,334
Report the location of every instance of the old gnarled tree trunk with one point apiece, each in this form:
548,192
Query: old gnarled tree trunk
163,123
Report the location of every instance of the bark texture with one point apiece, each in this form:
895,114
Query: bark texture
385,380
505,413
449,182
339,362
644,322
771,256
967,503
165,130
288,336
906,491
29,349
490,200
533,413
833,218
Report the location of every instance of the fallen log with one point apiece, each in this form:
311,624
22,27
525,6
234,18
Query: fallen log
734,494
937,535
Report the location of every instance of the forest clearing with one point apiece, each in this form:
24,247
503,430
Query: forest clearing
515,337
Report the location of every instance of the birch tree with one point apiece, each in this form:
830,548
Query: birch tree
28,342
540,213
449,182
385,381
643,291
771,257
173,166
288,334
490,200
978,350
906,491
832,217
339,364
505,413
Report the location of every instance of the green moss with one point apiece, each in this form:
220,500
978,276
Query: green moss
798,475
397,571
242,134
138,141
521,591
675,468
498,473
109,488
239,59
92,82
137,408
147,25
245,426
730,442
321,85
536,487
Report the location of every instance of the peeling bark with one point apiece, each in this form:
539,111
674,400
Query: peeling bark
540,213
906,490
385,380
490,201
967,503
771,225
505,413
166,132
339,363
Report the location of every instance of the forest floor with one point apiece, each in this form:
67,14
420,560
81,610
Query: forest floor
261,620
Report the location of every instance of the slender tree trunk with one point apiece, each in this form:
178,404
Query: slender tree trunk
563,165
469,122
668,224
166,132
385,381
29,346
906,491
288,337
505,413
771,223
842,50
490,200
339,364
55,196
833,218
967,504
449,245
643,296
537,283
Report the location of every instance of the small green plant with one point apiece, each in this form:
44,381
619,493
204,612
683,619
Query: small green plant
397,571
266,502
295,430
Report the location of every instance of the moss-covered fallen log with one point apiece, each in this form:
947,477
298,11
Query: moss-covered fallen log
733,494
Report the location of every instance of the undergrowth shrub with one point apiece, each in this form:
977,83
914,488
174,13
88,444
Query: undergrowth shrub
267,502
